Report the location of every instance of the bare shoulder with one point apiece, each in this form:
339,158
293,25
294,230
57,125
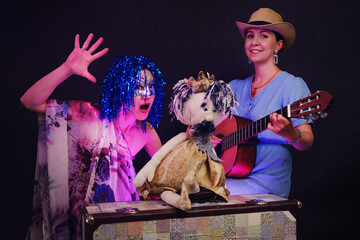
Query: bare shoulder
153,142
151,132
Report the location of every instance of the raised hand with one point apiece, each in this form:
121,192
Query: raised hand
77,62
80,58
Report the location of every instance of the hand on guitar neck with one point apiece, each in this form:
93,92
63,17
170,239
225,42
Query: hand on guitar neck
301,138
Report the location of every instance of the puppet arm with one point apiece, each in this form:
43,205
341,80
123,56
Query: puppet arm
148,171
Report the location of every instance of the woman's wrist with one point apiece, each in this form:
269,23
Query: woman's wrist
296,140
67,70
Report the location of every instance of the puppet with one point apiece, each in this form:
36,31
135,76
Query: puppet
187,163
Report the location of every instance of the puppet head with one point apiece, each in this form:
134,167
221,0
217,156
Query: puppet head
205,99
122,82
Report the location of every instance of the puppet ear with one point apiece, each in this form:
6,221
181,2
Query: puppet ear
191,81
201,75
212,78
201,84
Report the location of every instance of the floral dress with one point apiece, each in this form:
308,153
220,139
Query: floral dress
81,159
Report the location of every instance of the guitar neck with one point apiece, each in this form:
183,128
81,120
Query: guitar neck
250,130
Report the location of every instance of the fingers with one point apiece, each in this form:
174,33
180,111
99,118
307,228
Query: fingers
275,123
89,77
80,58
277,118
274,117
279,124
77,43
95,45
87,41
100,54
270,125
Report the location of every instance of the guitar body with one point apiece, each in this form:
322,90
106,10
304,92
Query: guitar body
238,160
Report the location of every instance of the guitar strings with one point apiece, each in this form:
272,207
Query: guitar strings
248,131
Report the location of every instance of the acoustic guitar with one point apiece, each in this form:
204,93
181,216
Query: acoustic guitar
237,149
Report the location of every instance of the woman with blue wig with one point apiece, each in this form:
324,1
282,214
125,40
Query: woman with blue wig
85,150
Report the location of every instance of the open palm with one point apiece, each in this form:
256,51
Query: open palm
80,59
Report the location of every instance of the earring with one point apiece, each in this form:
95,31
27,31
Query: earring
249,61
276,58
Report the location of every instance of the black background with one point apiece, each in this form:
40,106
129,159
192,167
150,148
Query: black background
184,37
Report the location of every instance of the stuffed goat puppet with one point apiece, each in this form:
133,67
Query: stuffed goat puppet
187,163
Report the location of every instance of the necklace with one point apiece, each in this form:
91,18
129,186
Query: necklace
253,89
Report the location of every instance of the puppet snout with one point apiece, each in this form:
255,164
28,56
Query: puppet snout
209,118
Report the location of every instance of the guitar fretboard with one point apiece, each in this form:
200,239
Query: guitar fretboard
250,130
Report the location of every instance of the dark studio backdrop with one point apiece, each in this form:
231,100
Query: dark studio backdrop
184,37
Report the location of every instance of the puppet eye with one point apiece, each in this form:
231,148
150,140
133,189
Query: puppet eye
214,110
204,107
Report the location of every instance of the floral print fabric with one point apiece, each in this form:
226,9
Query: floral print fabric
81,159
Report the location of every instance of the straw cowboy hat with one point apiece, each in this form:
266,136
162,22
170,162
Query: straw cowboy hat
267,18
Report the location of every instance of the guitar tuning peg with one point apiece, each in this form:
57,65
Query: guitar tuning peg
316,117
323,115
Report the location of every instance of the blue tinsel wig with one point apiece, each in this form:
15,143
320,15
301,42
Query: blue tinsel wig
119,84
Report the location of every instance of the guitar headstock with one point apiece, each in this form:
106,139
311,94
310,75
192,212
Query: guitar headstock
312,106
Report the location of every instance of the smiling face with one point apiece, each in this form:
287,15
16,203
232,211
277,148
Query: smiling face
144,95
260,45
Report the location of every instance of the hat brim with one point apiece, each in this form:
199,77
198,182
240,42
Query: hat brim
286,30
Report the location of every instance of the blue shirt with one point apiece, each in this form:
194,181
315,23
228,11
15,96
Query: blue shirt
272,170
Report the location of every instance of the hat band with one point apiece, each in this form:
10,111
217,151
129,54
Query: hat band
259,23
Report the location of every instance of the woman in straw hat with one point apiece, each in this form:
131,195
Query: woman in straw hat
267,90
